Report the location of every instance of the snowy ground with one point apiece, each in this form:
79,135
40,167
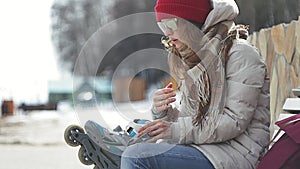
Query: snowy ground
39,157
35,140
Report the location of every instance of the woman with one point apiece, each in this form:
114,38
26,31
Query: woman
223,118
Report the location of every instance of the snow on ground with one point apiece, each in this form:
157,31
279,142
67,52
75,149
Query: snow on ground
47,127
20,156
36,139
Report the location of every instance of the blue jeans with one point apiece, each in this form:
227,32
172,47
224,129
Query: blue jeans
163,156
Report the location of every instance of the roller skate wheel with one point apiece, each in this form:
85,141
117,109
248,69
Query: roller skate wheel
83,157
70,135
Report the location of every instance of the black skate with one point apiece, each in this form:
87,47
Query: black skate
89,152
101,147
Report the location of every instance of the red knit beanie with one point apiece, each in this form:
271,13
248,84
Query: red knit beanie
193,10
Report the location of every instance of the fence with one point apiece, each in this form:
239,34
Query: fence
280,48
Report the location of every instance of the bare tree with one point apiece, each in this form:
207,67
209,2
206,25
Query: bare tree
73,22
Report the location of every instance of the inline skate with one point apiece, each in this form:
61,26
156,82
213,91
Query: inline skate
101,147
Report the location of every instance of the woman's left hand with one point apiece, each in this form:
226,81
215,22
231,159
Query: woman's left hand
157,129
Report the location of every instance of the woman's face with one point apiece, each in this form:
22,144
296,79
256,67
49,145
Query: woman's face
172,28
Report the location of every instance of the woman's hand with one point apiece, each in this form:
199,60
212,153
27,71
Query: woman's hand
163,97
157,129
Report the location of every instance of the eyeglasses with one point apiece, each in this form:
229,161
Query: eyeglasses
168,24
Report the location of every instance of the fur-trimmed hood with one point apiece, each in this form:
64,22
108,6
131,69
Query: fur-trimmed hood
223,10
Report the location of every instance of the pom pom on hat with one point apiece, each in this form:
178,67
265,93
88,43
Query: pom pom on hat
193,10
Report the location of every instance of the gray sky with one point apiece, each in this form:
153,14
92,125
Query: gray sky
27,59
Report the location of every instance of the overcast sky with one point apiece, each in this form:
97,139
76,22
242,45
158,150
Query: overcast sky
27,59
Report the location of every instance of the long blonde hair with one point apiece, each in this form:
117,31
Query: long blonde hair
183,59
200,46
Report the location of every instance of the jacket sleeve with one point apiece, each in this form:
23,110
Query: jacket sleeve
245,74
170,115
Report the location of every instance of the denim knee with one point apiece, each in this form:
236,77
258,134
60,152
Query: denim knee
131,156
146,150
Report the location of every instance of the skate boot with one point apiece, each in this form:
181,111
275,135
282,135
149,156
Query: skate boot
101,147
115,142
89,152
134,126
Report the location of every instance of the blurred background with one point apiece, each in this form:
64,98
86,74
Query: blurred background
41,93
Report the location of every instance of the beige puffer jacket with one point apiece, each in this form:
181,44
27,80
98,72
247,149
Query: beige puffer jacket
243,131
243,128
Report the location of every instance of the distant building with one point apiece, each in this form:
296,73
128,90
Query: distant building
60,90
81,90
7,108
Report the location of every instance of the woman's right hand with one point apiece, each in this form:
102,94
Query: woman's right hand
163,97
